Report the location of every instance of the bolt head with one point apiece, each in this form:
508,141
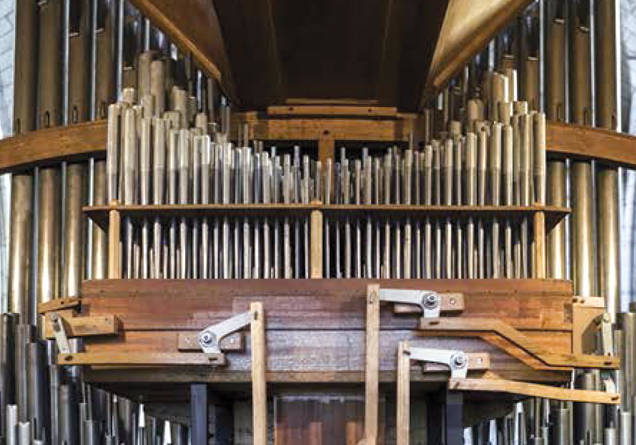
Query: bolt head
430,301
206,338
459,361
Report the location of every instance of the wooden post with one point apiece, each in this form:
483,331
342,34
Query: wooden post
259,364
539,245
372,365
315,248
403,395
114,242
326,146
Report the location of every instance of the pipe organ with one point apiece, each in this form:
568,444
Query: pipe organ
199,255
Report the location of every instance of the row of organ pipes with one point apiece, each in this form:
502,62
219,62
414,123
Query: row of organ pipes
169,143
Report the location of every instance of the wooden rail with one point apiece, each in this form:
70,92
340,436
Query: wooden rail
99,214
89,139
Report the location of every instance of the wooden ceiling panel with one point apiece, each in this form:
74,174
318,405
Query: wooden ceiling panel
376,52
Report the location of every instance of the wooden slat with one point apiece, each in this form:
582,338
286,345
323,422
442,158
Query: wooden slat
259,368
591,143
315,247
53,144
534,390
403,397
114,237
58,304
330,110
318,304
140,358
552,214
372,365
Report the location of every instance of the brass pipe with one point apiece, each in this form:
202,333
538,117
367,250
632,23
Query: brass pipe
531,83
605,64
556,237
79,53
608,238
555,71
20,243
99,247
104,59
580,80
24,93
74,229
47,283
49,105
583,242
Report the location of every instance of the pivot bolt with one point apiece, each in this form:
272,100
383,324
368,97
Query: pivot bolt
206,338
459,361
430,301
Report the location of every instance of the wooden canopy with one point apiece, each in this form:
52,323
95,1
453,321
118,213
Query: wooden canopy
375,52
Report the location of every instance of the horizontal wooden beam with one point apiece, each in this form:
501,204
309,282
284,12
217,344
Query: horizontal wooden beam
534,390
80,141
591,143
99,214
52,145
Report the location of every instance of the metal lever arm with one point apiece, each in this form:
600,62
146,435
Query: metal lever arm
427,300
457,361
210,338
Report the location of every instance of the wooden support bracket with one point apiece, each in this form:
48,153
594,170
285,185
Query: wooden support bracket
84,326
481,327
139,358
187,341
59,304
534,390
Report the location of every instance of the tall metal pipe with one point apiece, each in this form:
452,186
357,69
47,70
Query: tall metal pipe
74,230
47,283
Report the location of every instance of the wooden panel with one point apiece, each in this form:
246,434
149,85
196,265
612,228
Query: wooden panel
330,110
53,144
193,26
596,143
328,356
318,304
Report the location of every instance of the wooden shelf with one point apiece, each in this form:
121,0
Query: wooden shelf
99,214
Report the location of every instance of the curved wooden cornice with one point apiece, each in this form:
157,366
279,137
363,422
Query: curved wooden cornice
89,139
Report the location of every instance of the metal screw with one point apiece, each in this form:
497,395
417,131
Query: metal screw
206,338
459,360
430,301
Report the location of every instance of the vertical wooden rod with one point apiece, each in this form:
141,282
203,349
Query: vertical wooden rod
259,388
114,242
315,248
402,400
372,365
539,245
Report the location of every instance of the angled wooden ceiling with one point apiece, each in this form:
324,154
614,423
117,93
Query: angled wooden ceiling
379,52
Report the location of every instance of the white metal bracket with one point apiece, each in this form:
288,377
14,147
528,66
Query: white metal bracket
209,339
428,300
59,333
457,361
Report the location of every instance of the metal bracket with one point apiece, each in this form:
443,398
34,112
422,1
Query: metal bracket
210,338
59,332
457,361
604,323
427,300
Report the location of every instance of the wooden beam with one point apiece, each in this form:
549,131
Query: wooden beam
534,390
372,365
50,145
114,241
539,245
403,402
259,365
583,142
85,326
